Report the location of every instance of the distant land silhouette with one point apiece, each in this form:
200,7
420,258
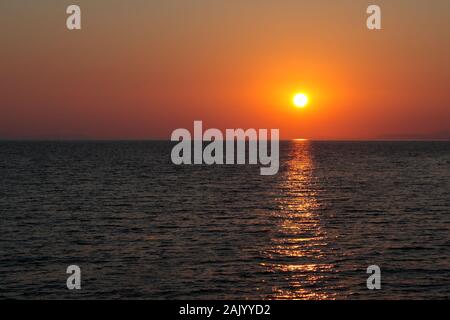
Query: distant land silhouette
444,135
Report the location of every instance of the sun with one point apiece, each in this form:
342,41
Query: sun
300,100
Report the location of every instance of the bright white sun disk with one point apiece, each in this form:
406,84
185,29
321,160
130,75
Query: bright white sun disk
300,100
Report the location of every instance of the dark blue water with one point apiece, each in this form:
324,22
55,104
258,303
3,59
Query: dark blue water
140,227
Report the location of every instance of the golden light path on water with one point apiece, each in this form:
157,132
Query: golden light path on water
298,245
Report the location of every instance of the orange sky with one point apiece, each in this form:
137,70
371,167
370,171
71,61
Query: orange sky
140,69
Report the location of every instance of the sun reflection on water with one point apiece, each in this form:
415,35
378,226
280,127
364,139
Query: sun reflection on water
297,245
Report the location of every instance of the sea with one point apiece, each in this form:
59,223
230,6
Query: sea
140,227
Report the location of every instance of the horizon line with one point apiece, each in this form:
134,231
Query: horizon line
168,140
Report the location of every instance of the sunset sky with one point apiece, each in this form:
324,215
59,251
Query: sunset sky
140,69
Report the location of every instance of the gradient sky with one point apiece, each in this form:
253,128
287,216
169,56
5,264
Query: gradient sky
140,69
